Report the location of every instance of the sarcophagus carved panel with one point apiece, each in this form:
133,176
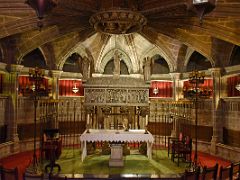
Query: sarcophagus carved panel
116,96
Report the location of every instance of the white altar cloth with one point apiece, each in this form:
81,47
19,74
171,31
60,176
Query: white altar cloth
101,135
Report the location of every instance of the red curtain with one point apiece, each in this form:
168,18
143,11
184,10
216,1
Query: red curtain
1,83
66,87
207,85
25,85
165,89
231,84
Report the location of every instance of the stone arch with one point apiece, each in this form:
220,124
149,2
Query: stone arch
73,63
188,56
160,65
40,40
181,57
47,51
19,61
109,68
78,48
1,54
199,62
37,55
108,56
151,52
235,56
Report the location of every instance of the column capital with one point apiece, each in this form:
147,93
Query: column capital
3,66
56,73
175,75
215,71
15,68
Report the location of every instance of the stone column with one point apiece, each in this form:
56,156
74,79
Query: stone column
88,118
3,71
5,88
55,83
12,88
146,122
217,123
55,92
177,86
89,112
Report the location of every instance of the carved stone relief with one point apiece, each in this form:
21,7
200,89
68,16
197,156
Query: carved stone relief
117,96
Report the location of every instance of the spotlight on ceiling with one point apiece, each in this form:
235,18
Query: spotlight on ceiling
201,7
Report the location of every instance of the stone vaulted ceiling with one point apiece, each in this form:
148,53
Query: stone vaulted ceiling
172,31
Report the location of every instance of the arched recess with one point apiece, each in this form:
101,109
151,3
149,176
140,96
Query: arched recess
38,40
73,64
109,68
235,57
78,48
34,58
198,61
108,56
160,65
154,51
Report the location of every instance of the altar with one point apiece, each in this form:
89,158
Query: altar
116,136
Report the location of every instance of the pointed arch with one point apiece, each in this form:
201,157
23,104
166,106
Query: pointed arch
108,56
198,61
235,56
153,51
35,58
160,65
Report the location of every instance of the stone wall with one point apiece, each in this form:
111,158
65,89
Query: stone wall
3,109
3,118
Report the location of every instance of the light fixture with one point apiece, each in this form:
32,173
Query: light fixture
36,76
155,91
118,21
199,1
33,87
190,93
42,8
196,78
202,7
75,89
237,87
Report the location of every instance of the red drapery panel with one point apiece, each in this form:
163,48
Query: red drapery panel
207,85
66,87
1,83
25,85
165,89
231,86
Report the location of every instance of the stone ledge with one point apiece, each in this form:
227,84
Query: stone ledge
11,148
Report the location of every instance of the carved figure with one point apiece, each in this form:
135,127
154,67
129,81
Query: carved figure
85,67
116,59
147,67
